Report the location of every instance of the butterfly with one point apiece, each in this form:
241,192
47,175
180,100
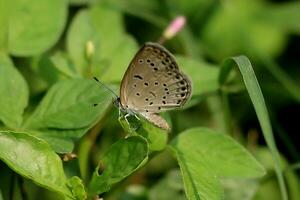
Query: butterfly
152,84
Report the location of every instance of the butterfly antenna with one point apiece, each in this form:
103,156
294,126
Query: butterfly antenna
107,88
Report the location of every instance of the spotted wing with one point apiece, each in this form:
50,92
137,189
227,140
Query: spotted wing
153,81
156,120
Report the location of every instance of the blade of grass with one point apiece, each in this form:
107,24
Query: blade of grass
254,91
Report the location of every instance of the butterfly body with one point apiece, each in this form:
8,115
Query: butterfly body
153,83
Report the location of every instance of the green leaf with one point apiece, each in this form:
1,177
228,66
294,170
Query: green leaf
115,42
12,85
258,102
35,26
156,137
284,15
61,140
204,76
199,181
108,38
240,188
80,32
77,187
69,105
168,188
239,28
4,21
122,159
62,63
33,159
125,51
149,11
204,156
81,2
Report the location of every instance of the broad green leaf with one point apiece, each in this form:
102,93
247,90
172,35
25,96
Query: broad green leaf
77,187
80,32
125,51
4,21
109,32
204,76
116,47
204,156
12,85
81,2
156,137
240,188
199,181
61,140
48,69
45,72
34,191
33,159
221,153
70,105
62,63
122,159
258,102
35,26
109,41
168,188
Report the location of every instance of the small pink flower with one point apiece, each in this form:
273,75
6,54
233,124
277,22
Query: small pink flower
175,26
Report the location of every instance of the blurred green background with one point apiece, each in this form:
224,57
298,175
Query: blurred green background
47,42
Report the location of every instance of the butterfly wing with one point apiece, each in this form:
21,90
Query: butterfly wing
153,81
156,120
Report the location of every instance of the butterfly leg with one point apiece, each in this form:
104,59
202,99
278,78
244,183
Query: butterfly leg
137,117
131,130
134,125
125,117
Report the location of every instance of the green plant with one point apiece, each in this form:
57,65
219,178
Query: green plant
47,117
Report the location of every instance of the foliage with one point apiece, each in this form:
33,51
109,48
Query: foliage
61,137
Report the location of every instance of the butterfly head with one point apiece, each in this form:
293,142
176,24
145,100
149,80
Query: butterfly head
117,102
